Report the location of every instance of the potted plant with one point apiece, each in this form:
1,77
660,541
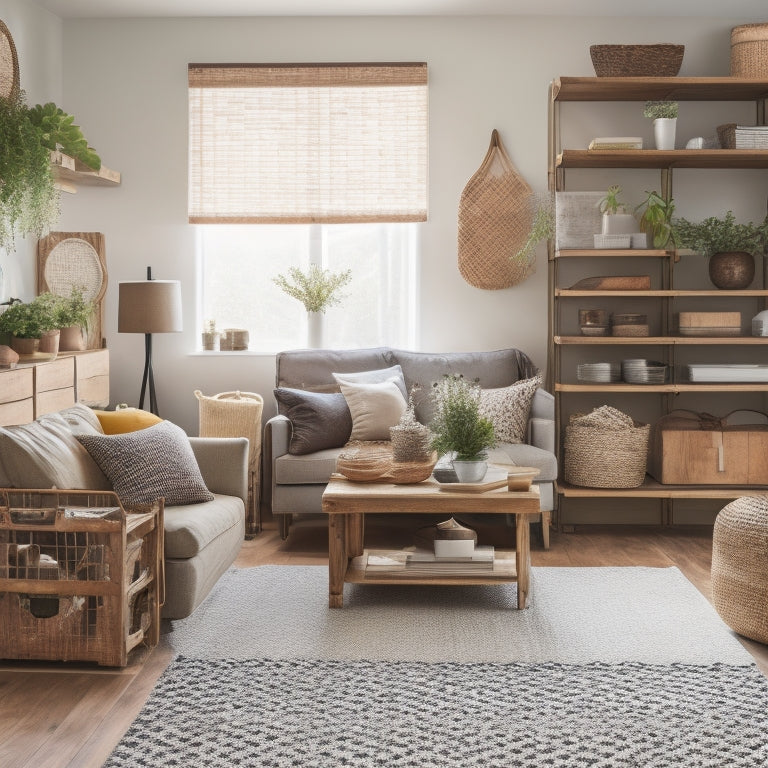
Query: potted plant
26,323
57,132
72,314
731,247
664,116
458,428
616,220
317,289
29,201
656,220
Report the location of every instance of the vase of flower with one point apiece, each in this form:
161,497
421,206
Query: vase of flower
315,322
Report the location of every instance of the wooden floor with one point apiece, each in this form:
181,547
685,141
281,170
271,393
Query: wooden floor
71,716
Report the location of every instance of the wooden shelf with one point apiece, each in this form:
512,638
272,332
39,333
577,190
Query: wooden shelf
70,174
714,293
652,489
659,88
749,159
662,340
591,253
672,389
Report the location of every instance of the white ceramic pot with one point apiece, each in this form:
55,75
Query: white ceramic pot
470,471
664,132
315,327
619,224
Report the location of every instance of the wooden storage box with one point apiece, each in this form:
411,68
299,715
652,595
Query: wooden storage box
693,450
81,579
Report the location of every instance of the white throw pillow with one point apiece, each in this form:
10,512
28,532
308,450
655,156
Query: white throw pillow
375,407
509,408
395,373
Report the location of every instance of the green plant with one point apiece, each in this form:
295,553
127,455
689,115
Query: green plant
542,227
656,109
716,235
317,289
57,131
457,425
29,201
30,320
611,203
656,219
73,309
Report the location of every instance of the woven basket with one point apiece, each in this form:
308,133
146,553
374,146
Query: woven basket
410,443
740,566
606,449
657,60
749,50
9,65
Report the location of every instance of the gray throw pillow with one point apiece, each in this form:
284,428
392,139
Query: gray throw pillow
154,462
319,420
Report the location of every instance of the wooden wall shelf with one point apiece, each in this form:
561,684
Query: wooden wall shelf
70,174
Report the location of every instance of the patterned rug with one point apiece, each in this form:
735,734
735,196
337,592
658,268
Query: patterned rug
316,711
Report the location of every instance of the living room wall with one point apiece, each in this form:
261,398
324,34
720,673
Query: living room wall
125,80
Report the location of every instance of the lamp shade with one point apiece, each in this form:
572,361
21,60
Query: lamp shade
149,306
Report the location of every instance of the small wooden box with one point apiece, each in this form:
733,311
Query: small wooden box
691,451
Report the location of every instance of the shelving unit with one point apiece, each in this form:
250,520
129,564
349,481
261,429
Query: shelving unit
663,300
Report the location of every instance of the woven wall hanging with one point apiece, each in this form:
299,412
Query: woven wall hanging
9,65
495,216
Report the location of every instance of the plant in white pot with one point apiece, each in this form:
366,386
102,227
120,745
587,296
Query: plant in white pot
664,116
458,429
616,219
317,289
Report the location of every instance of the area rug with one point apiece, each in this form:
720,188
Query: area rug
266,675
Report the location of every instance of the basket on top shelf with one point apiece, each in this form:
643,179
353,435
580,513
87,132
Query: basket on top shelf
749,50
656,60
606,449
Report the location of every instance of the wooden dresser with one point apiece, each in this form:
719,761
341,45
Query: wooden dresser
34,388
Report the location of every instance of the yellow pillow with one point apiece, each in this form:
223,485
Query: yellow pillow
126,420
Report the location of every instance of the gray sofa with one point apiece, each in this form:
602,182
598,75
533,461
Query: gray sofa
294,484
201,540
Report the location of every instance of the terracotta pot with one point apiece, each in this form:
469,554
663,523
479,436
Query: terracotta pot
72,339
49,342
25,346
732,270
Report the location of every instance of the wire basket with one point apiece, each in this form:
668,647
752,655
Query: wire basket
656,60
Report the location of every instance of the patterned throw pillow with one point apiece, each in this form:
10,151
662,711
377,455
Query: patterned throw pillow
509,408
153,462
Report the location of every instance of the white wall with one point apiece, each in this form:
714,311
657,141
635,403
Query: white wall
38,36
125,80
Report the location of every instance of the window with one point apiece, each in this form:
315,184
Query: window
331,161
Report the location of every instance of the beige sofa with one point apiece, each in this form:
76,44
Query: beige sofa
201,540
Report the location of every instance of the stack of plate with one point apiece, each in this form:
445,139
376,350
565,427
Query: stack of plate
643,372
599,373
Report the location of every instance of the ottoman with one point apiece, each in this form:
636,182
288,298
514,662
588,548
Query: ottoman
740,566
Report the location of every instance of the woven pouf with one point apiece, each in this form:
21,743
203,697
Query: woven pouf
740,566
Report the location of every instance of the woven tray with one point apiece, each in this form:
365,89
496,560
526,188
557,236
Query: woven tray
657,60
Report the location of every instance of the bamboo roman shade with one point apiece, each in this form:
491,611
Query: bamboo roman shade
307,143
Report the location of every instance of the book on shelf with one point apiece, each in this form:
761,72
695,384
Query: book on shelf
617,142
414,561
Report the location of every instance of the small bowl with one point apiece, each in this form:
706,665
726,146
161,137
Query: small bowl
593,317
520,478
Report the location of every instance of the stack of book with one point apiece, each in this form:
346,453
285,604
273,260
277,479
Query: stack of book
617,142
418,563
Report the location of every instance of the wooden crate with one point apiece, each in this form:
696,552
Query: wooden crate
686,452
81,578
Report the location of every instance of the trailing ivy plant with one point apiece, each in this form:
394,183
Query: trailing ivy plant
58,131
29,200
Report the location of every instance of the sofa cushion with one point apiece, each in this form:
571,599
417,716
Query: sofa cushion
154,462
125,420
308,469
190,528
318,419
508,408
46,453
375,407
523,455
394,372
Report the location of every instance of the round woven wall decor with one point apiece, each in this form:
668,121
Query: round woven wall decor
9,64
495,216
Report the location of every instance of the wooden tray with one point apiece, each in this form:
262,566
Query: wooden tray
614,283
495,477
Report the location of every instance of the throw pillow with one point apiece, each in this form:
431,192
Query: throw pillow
319,420
395,372
126,420
509,408
153,462
375,407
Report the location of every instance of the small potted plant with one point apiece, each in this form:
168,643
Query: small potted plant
458,428
656,220
730,246
664,116
27,322
210,336
317,289
72,315
616,220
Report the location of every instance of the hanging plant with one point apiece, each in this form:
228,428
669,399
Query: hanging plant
58,131
29,201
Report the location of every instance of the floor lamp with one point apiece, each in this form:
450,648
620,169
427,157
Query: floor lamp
149,306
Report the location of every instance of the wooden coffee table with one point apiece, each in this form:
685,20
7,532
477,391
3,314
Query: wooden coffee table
346,504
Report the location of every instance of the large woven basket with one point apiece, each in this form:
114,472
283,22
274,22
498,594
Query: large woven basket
606,449
749,50
657,60
740,566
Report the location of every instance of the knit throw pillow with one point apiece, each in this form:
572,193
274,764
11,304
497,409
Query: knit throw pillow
154,462
509,408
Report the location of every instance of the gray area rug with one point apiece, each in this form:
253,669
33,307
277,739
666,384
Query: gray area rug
608,668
